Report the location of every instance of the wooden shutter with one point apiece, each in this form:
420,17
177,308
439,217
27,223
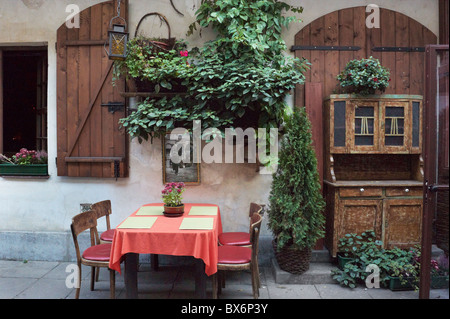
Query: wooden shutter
90,143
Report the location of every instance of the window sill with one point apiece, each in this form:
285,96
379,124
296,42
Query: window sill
25,176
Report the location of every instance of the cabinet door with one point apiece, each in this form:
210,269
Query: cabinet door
359,215
364,126
396,127
402,222
338,126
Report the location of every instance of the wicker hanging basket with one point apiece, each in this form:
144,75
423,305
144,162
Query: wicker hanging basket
291,259
160,43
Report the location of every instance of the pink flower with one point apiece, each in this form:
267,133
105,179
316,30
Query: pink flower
184,53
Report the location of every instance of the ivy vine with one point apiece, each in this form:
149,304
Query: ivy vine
239,79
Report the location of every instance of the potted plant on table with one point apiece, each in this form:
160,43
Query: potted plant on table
364,76
295,201
24,163
172,196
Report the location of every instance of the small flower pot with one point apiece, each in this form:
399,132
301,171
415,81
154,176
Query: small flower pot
173,211
342,261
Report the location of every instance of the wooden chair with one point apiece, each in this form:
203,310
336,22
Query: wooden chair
240,238
237,258
103,208
95,255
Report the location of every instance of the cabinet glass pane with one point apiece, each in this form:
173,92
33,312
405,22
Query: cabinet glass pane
364,125
415,125
394,126
339,123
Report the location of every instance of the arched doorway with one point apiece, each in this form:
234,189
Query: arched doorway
399,44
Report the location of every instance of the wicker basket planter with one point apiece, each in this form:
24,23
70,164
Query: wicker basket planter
291,259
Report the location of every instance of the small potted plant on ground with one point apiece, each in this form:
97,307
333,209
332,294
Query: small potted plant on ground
172,196
364,76
24,163
295,201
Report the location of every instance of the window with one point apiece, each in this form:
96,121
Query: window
23,99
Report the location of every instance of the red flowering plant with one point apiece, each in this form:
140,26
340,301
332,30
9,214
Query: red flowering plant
25,157
364,76
172,194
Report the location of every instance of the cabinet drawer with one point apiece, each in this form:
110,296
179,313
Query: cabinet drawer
404,191
361,192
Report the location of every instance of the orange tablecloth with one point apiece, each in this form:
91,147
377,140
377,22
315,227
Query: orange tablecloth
165,238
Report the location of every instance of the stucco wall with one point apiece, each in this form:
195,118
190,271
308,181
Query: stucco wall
36,206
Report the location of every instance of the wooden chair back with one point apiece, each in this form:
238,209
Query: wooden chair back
254,208
103,208
256,221
81,223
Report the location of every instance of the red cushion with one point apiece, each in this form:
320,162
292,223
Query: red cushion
234,255
107,235
98,253
234,239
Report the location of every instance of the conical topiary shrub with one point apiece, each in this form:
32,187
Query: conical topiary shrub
295,201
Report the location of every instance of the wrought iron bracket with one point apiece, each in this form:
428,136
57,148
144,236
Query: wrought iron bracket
114,106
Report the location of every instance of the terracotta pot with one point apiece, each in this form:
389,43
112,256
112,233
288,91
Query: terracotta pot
174,210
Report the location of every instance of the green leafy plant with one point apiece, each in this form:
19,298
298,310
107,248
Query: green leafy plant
295,201
239,79
26,157
364,76
146,61
172,194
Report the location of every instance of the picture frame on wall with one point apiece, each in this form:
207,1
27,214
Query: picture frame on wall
179,168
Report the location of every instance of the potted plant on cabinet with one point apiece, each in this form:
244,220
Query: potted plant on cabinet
364,76
295,201
172,196
24,163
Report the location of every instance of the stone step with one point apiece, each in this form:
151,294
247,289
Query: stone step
318,273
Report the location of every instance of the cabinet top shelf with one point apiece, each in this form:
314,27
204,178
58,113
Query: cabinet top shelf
379,183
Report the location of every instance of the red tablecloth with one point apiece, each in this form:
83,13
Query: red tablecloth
165,238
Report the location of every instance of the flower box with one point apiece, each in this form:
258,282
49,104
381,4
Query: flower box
342,261
23,170
396,284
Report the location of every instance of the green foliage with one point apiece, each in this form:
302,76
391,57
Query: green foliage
239,79
366,250
147,61
364,76
295,201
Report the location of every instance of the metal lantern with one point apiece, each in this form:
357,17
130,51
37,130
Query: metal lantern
118,37
118,40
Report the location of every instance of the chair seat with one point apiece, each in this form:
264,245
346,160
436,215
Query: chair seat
235,239
107,235
234,255
100,252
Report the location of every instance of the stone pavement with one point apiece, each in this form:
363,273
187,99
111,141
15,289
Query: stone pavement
47,280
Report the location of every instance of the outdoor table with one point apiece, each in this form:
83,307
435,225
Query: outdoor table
148,231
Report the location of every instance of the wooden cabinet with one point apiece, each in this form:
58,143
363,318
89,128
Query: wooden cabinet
373,168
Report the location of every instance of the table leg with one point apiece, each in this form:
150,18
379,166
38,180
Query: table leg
131,269
200,279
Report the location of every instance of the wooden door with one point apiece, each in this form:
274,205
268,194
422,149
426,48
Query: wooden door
436,159
402,222
90,143
332,40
